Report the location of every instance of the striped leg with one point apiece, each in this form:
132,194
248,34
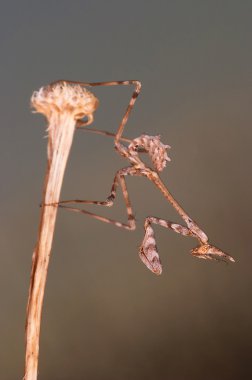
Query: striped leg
129,108
148,251
118,179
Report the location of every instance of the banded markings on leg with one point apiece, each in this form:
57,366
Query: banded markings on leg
148,251
118,179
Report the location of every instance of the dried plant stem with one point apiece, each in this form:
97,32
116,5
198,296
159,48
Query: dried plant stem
41,255
61,104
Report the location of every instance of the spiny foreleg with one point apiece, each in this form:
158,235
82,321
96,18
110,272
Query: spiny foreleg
148,251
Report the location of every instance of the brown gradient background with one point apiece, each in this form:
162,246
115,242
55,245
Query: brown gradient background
105,315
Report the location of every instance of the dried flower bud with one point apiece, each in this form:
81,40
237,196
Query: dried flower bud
63,104
63,97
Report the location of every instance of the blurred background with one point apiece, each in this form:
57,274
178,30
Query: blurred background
105,315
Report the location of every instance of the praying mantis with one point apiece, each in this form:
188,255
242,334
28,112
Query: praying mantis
131,150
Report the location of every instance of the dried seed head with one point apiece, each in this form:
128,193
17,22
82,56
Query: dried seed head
154,147
62,97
